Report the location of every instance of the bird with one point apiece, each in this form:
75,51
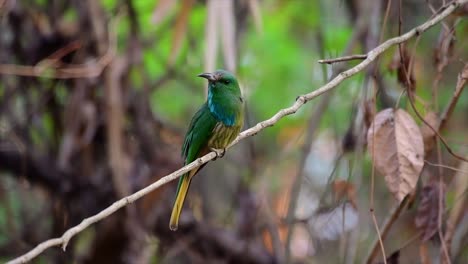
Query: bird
213,127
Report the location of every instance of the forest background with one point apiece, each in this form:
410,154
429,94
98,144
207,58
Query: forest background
95,98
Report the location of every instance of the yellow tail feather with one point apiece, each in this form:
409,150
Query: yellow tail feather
179,201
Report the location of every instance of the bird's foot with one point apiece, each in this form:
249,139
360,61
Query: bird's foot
219,152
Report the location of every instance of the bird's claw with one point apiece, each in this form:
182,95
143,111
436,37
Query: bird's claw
219,152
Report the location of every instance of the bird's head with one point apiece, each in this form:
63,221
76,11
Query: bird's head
222,81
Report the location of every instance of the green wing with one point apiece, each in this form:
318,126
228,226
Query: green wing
199,133
195,144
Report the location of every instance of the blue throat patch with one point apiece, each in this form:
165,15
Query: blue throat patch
217,111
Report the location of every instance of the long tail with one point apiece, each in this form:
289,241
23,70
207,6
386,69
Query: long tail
182,190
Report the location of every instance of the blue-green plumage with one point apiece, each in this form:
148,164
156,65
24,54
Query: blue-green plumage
199,132
214,126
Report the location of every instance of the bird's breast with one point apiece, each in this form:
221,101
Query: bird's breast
223,135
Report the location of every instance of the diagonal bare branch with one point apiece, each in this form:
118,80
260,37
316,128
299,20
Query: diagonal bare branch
300,101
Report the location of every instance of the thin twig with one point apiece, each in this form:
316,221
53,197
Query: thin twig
446,167
392,217
88,70
301,100
344,58
434,130
462,78
372,208
313,124
461,83
456,212
372,187
410,94
431,7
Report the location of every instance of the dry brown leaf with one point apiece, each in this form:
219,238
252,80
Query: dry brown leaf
344,189
428,210
427,133
401,64
397,143
424,254
180,30
162,10
267,240
369,112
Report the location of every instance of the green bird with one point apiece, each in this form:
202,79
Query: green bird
213,127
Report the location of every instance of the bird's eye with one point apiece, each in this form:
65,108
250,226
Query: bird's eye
226,81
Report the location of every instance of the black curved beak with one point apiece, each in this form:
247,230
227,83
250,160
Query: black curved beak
209,76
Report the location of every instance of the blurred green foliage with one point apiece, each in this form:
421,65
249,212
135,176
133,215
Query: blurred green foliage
275,65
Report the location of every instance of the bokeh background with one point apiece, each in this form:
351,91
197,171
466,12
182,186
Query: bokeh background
95,98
